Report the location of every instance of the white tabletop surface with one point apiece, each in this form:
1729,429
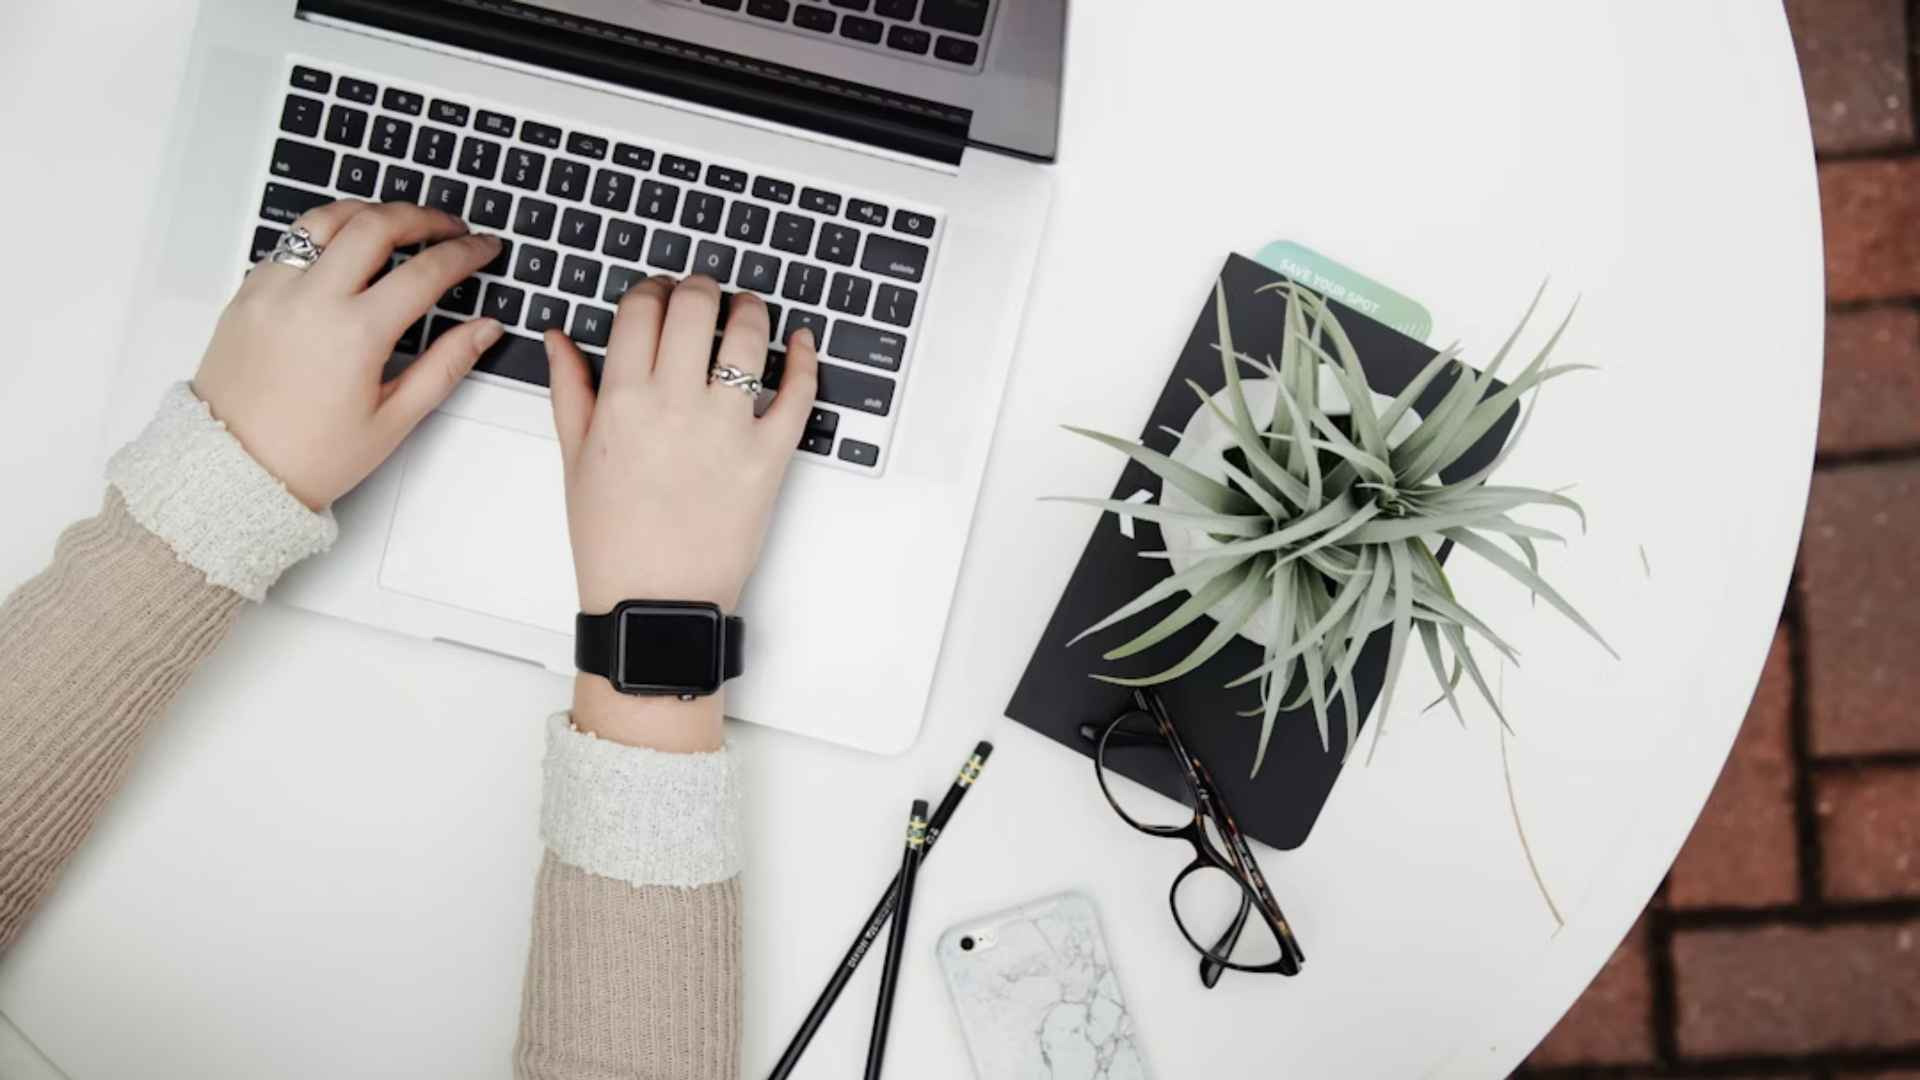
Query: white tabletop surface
322,865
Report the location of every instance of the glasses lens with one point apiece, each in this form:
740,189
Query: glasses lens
1133,754
1208,902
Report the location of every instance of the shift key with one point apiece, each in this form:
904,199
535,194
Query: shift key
851,389
867,345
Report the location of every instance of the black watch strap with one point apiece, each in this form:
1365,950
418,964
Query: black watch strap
596,644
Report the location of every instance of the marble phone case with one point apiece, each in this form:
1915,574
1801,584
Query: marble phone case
1037,995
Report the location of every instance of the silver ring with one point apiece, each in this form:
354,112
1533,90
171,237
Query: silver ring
728,375
297,249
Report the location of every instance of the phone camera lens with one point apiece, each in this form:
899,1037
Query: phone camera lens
966,944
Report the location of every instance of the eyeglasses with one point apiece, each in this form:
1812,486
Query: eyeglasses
1221,896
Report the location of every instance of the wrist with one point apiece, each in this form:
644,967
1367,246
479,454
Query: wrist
657,723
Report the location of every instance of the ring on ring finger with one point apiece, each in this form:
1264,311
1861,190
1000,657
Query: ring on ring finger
744,381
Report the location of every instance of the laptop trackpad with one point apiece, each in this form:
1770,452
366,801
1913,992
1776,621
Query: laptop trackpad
481,524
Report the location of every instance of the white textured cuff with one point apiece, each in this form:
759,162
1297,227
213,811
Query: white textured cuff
644,817
187,480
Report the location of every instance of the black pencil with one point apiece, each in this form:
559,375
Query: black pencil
897,936
877,921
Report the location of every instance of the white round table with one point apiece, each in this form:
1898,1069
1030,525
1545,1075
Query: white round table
322,865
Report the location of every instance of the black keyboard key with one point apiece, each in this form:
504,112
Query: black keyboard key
516,357
702,211
524,168
724,5
265,239
820,202
435,147
852,5
869,345
769,9
536,218
447,195
450,113
580,229
895,305
895,9
907,39
301,116
680,168
670,250
959,16
402,101
285,204
860,453
580,276
759,272
619,280
824,421
391,137
816,443
779,191
491,208
592,326
403,185
587,146
535,265
633,157
625,240
912,224
613,191
505,303
850,388
894,258
807,17
463,298
480,158
805,283
747,222
358,176
494,123
358,90
773,322
545,135
812,320
502,263
299,161
867,213
726,179
956,50
313,79
547,313
568,179
346,126
848,294
412,338
714,260
860,28
657,200
793,233
838,244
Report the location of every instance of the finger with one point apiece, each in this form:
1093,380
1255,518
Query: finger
428,380
744,343
636,336
402,297
686,337
322,224
365,243
572,385
786,418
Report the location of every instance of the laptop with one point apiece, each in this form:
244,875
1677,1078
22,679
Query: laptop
874,169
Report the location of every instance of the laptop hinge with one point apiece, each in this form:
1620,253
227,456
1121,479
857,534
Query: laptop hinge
659,65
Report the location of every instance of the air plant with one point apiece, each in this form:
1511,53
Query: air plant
1329,530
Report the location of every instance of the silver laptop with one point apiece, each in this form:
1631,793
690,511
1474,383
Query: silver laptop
875,169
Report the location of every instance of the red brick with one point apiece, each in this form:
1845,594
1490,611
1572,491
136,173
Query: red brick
1797,990
1612,1023
1853,60
1743,851
1860,592
1870,833
1871,214
1871,396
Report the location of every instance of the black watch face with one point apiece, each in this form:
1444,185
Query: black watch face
670,649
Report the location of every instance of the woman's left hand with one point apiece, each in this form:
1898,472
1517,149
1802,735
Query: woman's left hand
294,370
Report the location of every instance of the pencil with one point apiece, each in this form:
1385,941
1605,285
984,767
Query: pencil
877,921
897,936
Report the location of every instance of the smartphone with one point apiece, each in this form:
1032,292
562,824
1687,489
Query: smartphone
1037,995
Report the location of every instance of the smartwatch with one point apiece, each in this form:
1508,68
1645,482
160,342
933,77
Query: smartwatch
664,648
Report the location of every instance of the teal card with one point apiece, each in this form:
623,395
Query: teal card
1336,282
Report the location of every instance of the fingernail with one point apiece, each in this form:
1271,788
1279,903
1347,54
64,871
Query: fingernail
804,336
489,332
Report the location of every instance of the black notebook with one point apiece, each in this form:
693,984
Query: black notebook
1056,696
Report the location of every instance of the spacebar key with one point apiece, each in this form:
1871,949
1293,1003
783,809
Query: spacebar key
850,389
516,357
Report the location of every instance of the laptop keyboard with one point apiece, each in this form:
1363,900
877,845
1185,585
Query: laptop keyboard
586,214
947,33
